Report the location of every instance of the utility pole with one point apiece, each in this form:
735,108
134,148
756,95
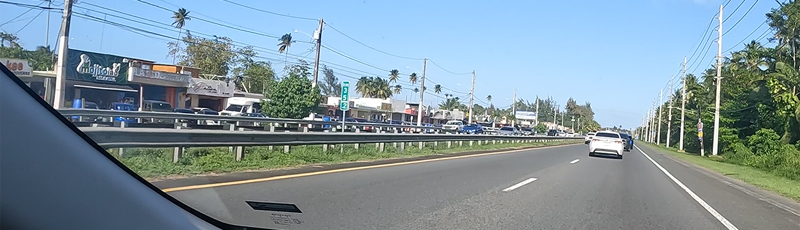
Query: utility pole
47,30
562,119
537,110
715,146
421,92
660,110
514,107
471,96
555,113
683,104
63,47
669,114
318,38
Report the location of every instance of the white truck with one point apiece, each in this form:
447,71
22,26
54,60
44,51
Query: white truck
239,105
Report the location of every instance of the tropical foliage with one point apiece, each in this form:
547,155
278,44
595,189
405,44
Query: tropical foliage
292,97
375,87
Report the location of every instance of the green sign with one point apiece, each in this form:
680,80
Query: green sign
345,104
96,67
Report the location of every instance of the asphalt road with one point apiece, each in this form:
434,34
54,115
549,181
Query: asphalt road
551,188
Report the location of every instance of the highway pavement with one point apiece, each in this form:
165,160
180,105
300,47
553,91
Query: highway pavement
548,188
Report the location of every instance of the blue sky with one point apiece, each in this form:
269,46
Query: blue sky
615,54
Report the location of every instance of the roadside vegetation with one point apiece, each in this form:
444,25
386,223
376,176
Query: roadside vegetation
156,163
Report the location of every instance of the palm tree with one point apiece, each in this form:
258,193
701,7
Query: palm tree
363,86
284,44
447,95
179,20
382,89
394,75
416,90
412,78
437,88
489,98
398,89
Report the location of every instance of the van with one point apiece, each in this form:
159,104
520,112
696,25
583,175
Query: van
236,106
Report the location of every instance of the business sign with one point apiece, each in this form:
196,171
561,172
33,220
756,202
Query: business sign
19,67
525,115
148,76
212,88
344,105
96,67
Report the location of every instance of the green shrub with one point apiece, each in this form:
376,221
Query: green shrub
765,142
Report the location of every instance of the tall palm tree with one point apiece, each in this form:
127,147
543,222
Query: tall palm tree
489,98
447,95
382,89
364,87
412,78
394,75
416,90
179,20
284,44
437,88
398,89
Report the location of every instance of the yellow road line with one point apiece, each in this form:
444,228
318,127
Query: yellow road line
191,187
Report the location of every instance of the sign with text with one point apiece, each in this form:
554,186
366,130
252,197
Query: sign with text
212,88
525,115
19,67
153,77
344,105
96,67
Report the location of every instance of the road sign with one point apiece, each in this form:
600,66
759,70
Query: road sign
345,105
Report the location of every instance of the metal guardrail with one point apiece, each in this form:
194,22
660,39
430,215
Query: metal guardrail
113,137
187,116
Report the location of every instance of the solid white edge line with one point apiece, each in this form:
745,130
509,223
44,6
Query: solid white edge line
574,161
705,205
520,184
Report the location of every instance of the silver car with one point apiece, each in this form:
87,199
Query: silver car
508,131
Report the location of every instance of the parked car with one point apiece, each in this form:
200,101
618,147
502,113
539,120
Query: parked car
607,142
453,126
489,130
552,132
156,106
508,131
119,106
472,129
588,137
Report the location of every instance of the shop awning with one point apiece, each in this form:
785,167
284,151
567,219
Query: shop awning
109,87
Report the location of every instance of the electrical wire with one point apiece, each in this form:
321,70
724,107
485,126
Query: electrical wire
740,19
746,37
451,72
29,22
269,12
365,45
351,58
734,10
20,15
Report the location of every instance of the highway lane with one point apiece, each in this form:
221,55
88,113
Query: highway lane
552,188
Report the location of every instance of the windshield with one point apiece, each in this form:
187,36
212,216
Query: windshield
234,108
374,108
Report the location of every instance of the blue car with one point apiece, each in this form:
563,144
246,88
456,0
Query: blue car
472,129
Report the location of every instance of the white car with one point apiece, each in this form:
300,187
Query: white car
588,138
607,142
453,126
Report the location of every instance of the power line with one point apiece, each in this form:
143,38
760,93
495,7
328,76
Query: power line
20,15
351,58
440,67
269,12
740,19
29,5
29,22
746,37
734,10
365,45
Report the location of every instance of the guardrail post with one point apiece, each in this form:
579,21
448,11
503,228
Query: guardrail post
421,145
286,147
395,143
229,127
272,130
122,125
449,144
494,142
435,144
402,147
356,144
479,142
177,152
470,143
240,150
460,143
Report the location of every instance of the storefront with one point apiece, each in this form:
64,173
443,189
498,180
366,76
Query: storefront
98,78
157,85
41,82
205,93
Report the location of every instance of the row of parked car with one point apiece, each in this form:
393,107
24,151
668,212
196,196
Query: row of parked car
457,126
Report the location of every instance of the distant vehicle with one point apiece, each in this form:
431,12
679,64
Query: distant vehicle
628,141
86,105
453,126
472,129
156,106
489,130
239,105
508,131
119,106
570,134
552,132
254,115
588,137
527,131
607,142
